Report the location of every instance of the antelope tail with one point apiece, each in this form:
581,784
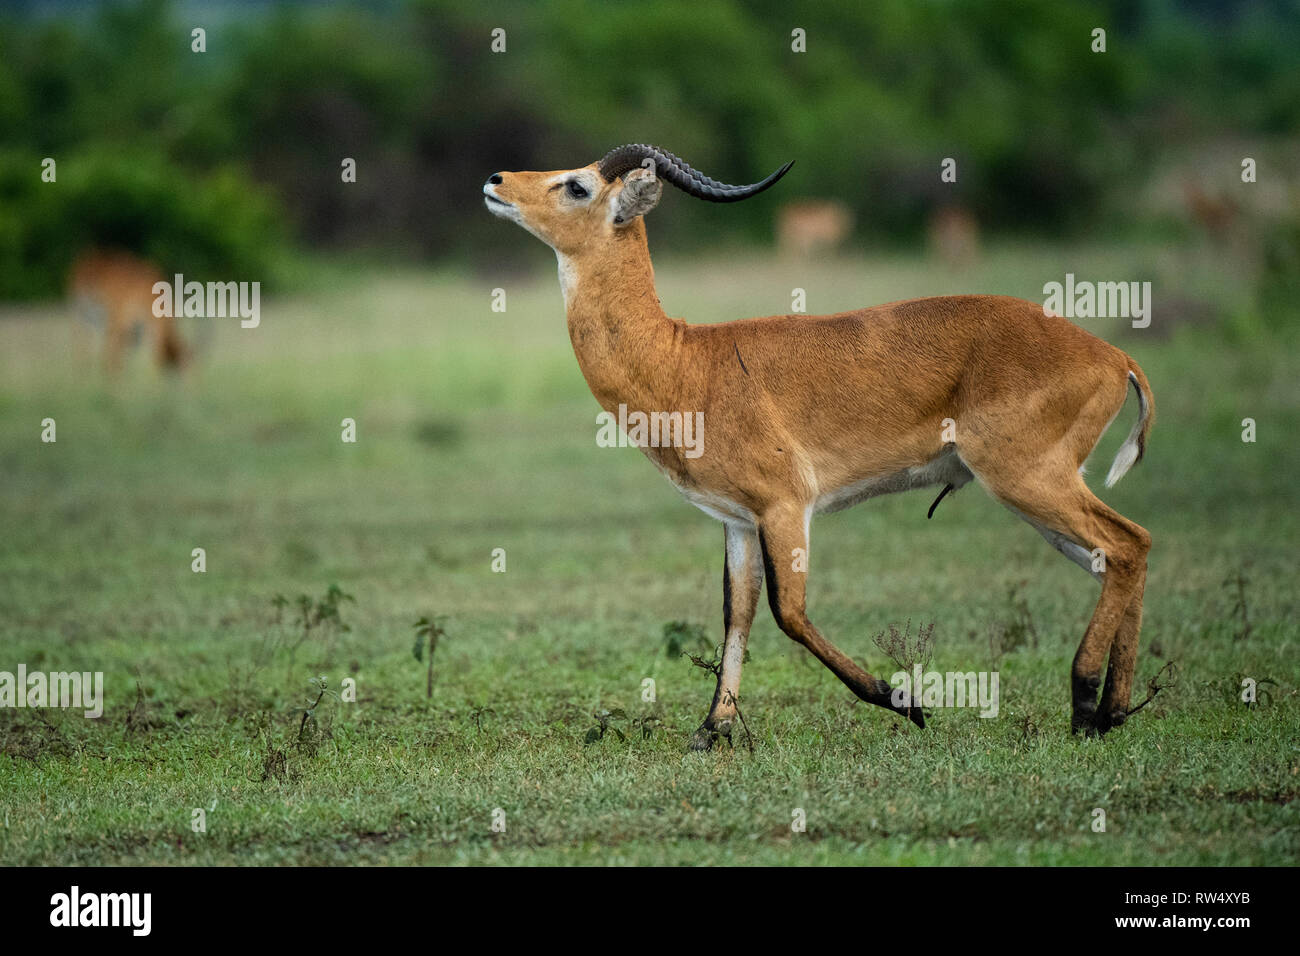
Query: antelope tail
1135,445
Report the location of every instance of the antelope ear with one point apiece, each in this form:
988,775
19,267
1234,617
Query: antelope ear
640,193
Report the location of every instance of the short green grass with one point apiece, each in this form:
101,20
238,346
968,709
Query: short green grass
476,432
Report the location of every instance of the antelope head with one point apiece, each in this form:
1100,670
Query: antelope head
572,210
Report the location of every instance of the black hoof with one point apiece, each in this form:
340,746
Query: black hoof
1105,722
705,737
904,706
1084,714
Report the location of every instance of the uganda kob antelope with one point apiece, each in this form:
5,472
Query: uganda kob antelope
114,288
810,414
810,228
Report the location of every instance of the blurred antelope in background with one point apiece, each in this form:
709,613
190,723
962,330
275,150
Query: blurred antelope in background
953,236
810,414
115,289
804,229
1213,214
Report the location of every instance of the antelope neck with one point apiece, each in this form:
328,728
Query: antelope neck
629,350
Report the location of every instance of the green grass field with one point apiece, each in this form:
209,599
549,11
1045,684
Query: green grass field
475,431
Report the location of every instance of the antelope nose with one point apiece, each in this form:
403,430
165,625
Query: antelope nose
495,179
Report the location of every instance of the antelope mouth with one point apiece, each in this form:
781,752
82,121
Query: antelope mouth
500,208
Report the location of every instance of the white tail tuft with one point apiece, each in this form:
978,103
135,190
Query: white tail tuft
1129,451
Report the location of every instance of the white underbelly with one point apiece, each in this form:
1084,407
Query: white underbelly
719,506
711,503
944,469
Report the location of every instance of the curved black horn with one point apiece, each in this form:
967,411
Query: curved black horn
667,166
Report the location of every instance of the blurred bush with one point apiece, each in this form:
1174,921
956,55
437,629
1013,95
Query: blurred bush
1279,278
213,224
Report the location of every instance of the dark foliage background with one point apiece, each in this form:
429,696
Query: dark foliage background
230,159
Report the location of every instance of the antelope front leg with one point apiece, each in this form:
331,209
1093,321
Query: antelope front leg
742,580
783,532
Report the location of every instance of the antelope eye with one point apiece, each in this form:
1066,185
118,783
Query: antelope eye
576,189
